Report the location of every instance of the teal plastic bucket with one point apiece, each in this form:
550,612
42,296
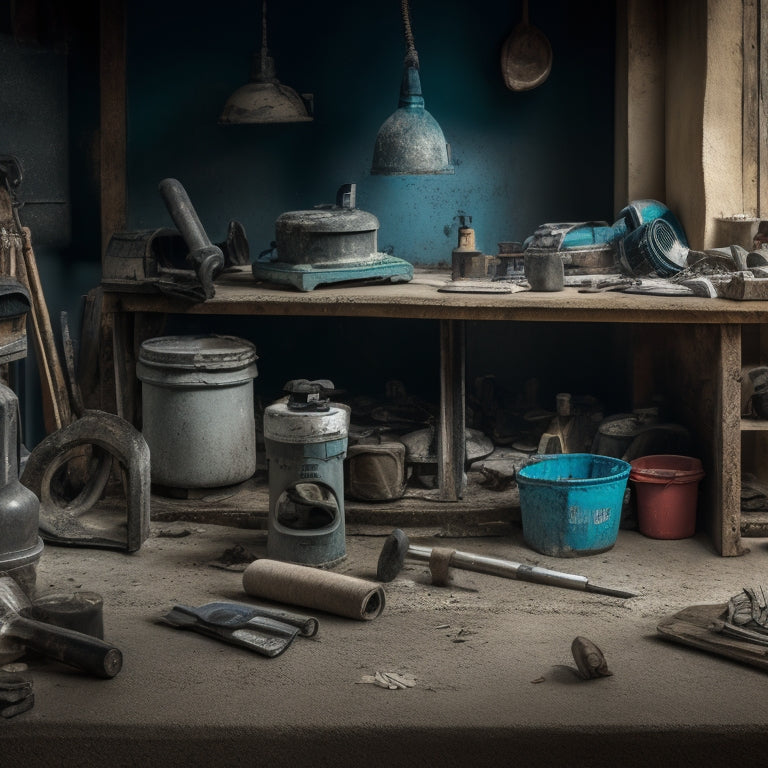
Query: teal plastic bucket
570,503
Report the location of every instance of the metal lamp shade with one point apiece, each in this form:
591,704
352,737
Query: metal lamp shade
410,142
266,100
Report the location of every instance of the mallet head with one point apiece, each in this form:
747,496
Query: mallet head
392,556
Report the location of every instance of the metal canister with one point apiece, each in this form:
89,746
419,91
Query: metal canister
20,544
306,445
197,409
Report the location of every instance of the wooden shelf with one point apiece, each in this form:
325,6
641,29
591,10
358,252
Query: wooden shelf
480,511
238,293
690,347
754,425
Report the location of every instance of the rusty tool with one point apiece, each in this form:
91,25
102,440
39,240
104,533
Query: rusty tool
397,547
115,444
19,634
206,259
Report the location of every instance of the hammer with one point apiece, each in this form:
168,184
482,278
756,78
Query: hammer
19,634
397,547
206,259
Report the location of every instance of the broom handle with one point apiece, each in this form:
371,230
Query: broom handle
56,409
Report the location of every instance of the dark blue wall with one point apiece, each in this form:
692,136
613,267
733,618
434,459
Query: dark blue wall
521,158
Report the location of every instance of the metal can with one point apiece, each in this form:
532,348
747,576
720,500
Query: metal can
197,409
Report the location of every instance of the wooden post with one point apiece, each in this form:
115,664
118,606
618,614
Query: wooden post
112,137
750,117
451,440
762,105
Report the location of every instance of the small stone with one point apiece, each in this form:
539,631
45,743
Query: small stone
589,659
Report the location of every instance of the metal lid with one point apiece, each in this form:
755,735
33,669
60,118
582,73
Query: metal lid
334,219
330,220
301,427
207,352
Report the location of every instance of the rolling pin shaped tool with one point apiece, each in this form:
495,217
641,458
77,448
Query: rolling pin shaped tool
397,547
19,634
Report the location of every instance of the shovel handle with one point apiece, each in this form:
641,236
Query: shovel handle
67,646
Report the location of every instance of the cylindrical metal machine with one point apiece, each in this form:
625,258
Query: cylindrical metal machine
197,409
20,544
306,442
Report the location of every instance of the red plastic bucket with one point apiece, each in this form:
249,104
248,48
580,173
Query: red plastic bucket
667,490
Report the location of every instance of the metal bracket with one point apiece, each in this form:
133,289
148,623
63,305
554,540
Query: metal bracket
114,438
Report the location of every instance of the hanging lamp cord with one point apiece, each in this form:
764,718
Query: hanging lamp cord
264,25
411,57
264,52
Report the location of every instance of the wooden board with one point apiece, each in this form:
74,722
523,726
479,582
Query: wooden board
238,293
113,123
481,512
691,626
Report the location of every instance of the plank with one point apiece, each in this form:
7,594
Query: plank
480,512
55,394
703,391
451,437
691,627
112,119
88,368
237,293
750,118
762,126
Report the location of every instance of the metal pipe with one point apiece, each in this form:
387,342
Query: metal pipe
206,259
397,548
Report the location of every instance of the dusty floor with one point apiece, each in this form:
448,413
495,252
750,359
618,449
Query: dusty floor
491,660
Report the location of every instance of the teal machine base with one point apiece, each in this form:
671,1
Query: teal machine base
306,277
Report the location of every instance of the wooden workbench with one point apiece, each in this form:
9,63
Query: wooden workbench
688,347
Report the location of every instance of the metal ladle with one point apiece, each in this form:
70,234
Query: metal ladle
526,56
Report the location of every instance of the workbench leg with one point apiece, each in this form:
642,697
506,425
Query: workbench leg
129,331
697,370
725,527
124,365
451,441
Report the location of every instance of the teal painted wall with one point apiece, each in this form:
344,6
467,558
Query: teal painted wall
521,158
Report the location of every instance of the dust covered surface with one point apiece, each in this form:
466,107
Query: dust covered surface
483,653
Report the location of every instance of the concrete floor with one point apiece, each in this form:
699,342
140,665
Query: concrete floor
495,682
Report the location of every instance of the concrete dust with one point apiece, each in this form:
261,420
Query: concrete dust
483,652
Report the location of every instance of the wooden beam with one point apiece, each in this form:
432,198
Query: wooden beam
750,150
762,122
451,439
112,135
639,123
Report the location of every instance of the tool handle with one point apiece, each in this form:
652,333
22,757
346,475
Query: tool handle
511,570
507,569
67,646
207,259
183,214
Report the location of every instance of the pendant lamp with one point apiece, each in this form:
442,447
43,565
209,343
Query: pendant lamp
410,142
265,99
